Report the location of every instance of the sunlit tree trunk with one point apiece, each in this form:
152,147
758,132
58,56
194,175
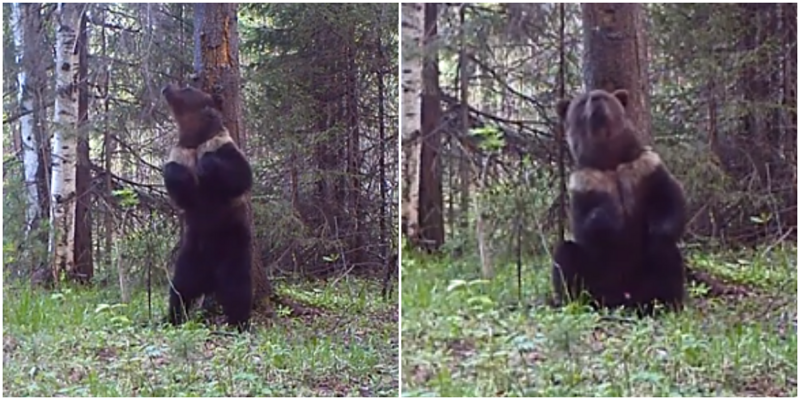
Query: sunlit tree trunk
615,56
20,14
26,23
65,139
217,64
413,17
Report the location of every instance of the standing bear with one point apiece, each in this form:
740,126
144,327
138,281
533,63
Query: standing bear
627,212
207,177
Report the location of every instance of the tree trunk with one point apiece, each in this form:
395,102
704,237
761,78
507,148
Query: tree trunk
26,24
425,192
108,149
65,140
413,16
464,163
615,56
217,65
20,15
122,269
84,262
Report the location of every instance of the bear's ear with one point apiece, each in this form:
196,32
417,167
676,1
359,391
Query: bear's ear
622,96
561,108
218,101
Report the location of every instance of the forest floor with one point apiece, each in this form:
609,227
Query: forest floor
79,342
463,336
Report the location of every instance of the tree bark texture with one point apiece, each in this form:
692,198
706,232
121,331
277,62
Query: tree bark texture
65,139
615,56
84,260
425,206
413,19
217,56
21,15
29,43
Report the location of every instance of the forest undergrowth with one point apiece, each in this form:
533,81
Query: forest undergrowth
81,342
464,336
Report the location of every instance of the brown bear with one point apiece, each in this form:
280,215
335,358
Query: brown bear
207,177
627,212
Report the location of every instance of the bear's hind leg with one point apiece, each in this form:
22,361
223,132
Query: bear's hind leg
234,291
187,285
664,280
570,260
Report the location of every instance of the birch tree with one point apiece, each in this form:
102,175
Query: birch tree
413,16
64,145
25,21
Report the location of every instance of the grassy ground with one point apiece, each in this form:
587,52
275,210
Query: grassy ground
466,337
80,343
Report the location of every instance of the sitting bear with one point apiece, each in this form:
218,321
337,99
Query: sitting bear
207,177
627,212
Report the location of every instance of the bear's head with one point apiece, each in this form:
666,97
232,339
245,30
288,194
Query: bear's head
599,132
197,113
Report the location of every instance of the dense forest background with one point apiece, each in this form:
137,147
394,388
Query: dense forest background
720,105
484,169
317,111
310,95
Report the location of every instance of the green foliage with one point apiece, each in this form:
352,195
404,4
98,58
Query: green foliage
298,65
14,206
127,197
463,336
79,342
491,137
517,204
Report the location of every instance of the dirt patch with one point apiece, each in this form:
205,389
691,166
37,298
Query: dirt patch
765,386
461,348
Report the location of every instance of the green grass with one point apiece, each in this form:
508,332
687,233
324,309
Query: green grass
463,336
79,342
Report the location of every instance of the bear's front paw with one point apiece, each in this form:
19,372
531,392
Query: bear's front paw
178,175
207,166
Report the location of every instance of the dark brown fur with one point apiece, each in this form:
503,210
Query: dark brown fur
197,114
208,177
627,211
620,184
599,133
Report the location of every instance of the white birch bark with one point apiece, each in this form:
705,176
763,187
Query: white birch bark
412,21
30,145
64,145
